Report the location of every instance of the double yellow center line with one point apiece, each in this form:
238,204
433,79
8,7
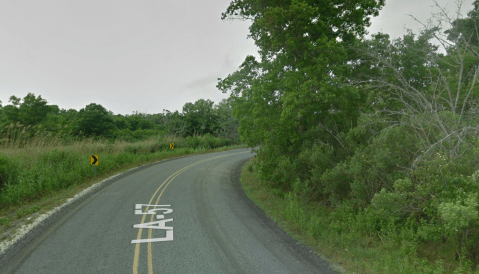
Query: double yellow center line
165,183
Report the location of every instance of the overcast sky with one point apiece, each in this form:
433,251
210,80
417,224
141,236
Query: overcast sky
142,56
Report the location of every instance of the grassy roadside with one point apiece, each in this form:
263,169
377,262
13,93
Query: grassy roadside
18,213
347,250
275,206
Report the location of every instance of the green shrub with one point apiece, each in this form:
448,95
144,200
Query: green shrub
142,134
271,166
192,142
335,183
24,212
460,213
379,165
123,134
158,147
294,211
442,201
4,221
8,171
208,141
283,175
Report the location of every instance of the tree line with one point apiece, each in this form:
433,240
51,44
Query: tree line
32,115
383,132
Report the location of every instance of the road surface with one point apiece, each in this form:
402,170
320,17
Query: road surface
186,215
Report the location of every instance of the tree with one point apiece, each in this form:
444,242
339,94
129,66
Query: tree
121,122
94,120
158,119
70,117
299,87
11,111
463,30
138,122
175,123
227,124
34,110
199,117
29,111
435,95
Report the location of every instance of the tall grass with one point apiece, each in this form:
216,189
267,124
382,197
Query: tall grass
36,166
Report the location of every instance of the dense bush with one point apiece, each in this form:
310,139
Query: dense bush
8,170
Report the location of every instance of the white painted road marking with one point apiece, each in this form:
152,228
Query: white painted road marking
154,225
169,237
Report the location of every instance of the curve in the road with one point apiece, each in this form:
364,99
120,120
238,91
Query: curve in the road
149,240
217,229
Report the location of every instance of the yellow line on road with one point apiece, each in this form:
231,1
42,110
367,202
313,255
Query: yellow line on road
167,182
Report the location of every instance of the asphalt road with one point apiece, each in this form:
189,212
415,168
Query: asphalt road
199,221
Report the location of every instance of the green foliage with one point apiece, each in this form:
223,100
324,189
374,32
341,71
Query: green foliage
459,213
299,81
123,134
200,117
4,221
227,126
137,122
121,122
28,111
335,184
379,165
32,125
464,29
294,211
94,120
193,142
28,177
8,170
207,141
34,110
31,117
24,212
383,132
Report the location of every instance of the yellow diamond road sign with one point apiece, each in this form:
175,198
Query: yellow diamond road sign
172,145
94,160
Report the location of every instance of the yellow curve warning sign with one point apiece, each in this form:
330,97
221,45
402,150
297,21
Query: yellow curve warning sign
94,160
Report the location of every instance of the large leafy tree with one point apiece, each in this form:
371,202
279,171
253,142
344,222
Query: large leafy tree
464,30
34,110
227,125
95,120
10,114
29,111
175,123
158,120
138,122
199,117
299,88
121,122
435,95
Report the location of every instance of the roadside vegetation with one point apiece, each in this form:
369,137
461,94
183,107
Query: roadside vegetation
370,146
45,152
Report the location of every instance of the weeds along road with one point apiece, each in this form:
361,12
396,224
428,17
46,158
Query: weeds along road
186,215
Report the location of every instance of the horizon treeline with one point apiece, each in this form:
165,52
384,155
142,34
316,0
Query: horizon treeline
44,149
382,133
32,116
